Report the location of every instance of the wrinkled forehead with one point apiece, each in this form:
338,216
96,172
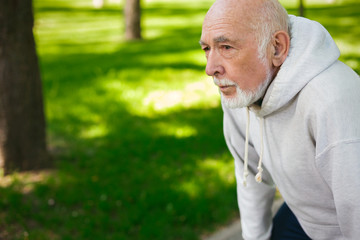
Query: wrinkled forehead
219,10
229,13
226,19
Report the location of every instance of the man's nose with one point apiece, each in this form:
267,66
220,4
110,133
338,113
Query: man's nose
213,65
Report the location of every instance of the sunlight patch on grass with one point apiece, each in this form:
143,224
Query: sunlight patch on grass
197,57
346,21
225,169
178,131
347,48
295,3
99,130
25,182
161,99
174,21
160,91
354,64
191,188
93,31
179,3
220,170
65,3
194,57
193,94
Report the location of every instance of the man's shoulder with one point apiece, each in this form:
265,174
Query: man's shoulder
332,84
334,91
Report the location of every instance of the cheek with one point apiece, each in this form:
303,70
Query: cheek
248,74
259,75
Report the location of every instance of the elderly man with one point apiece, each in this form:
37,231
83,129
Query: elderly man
291,119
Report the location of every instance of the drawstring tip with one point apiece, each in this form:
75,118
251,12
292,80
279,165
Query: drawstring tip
244,178
258,178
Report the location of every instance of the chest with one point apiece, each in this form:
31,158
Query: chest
289,148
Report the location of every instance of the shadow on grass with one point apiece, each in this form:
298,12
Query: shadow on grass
137,180
133,183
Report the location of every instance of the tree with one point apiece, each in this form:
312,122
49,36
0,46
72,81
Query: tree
132,13
301,8
22,120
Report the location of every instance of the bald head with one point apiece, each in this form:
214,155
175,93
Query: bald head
237,9
261,18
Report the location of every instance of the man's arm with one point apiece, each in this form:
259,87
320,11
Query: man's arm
340,167
255,200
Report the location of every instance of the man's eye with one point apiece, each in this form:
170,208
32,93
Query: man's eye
205,49
227,47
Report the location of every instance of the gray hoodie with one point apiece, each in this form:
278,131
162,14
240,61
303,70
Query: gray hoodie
307,134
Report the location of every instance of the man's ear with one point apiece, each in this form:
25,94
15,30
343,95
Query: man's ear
280,48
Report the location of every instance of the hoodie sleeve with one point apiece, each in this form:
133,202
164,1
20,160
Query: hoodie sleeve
340,165
254,200
338,145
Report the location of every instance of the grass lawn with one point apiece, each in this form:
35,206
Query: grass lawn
135,128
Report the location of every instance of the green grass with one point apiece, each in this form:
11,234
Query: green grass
135,128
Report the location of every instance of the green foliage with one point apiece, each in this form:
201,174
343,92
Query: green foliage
340,18
135,127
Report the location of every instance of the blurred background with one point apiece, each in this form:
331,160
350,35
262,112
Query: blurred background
133,124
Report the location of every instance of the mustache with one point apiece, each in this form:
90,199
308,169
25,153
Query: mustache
223,82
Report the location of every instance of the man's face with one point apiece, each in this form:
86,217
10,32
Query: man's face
232,54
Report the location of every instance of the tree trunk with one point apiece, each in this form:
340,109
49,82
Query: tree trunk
132,20
22,121
301,8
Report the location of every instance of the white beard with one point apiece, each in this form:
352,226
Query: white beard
243,98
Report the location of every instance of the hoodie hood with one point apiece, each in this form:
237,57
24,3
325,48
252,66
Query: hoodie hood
312,50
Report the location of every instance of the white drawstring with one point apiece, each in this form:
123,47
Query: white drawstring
258,176
246,172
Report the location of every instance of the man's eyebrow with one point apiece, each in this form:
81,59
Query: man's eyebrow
221,39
